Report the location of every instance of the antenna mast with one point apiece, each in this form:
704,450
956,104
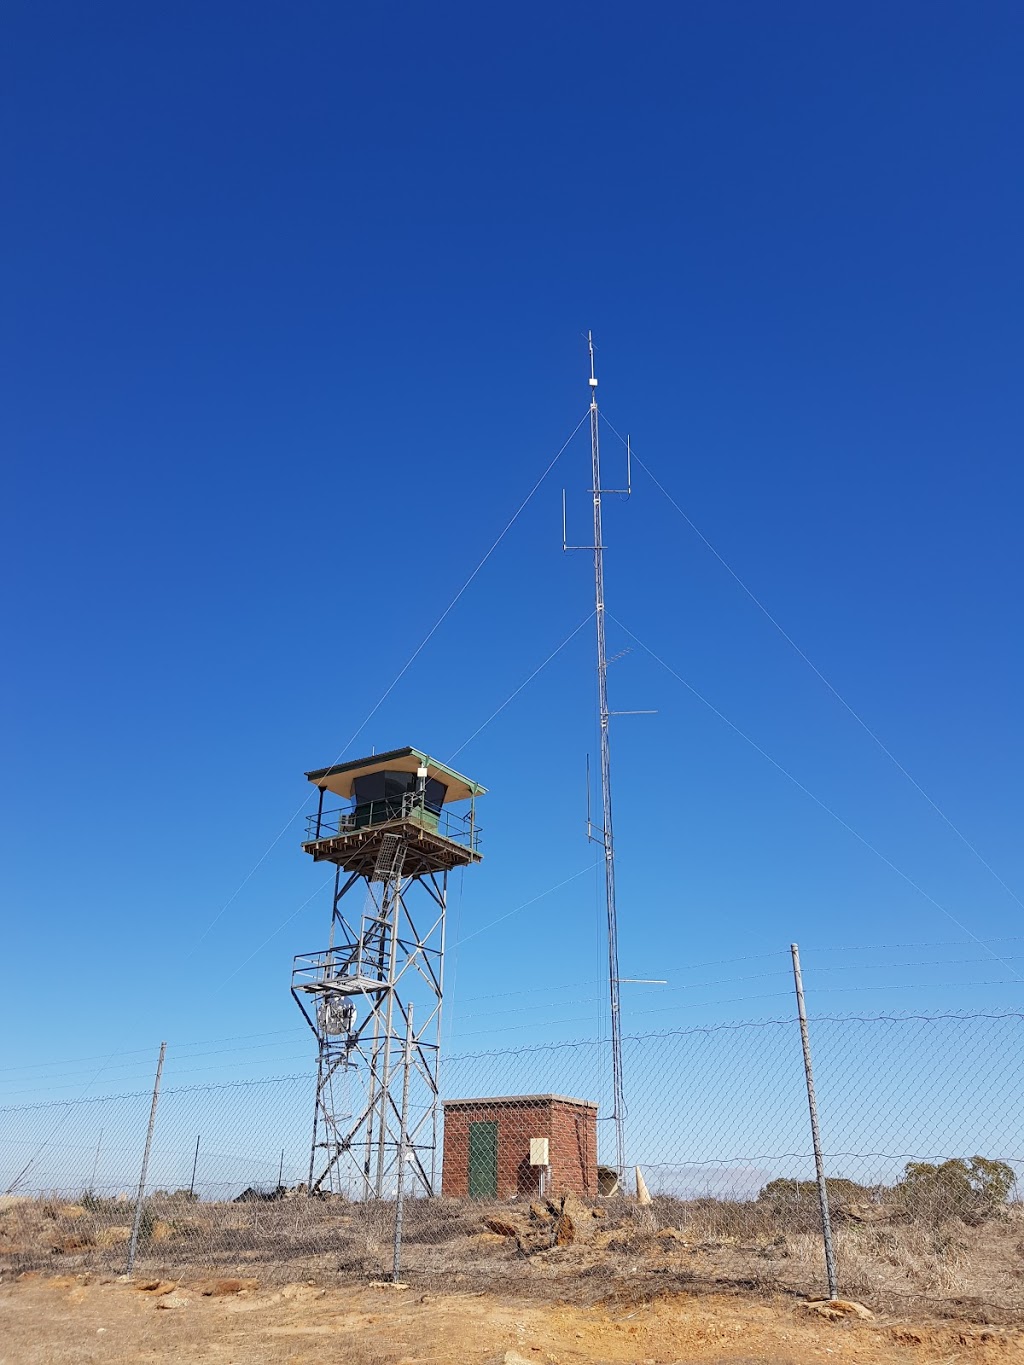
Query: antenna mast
618,1100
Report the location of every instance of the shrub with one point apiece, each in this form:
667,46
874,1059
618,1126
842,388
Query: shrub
971,1190
784,1195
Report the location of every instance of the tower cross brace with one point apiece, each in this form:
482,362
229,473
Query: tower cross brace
378,1086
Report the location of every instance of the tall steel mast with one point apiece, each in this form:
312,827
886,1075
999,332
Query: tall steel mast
618,1101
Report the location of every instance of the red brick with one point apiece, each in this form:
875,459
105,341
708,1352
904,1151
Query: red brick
569,1125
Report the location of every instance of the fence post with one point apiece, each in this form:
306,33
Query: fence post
812,1105
396,1265
145,1162
195,1163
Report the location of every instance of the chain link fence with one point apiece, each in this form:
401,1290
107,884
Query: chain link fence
921,1123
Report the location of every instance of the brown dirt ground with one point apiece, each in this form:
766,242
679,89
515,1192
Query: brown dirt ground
95,1320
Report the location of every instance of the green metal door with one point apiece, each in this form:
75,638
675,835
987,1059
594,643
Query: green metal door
483,1159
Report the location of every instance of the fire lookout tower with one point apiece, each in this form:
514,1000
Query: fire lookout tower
373,997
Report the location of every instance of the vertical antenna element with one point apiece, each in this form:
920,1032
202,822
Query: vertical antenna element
618,1100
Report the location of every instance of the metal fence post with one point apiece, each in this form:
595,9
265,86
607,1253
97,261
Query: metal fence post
812,1105
145,1162
195,1163
396,1265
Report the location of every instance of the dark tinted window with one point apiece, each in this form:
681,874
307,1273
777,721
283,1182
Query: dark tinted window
390,787
370,788
397,784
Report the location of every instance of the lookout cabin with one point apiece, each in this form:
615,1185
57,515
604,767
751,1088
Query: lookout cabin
404,793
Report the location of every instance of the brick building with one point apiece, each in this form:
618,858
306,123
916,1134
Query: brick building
487,1146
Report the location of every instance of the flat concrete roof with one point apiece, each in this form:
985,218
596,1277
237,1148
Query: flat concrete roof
520,1099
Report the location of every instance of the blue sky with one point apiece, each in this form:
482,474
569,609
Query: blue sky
294,313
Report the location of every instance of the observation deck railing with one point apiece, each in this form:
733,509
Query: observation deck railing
353,817
339,968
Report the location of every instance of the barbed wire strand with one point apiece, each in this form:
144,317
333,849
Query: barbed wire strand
52,1082
180,1054
137,1051
54,1131
925,1017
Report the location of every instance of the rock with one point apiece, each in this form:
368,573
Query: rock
254,1195
838,1309
504,1227
172,1301
541,1213
565,1231
113,1236
608,1239
575,1222
219,1289
514,1358
156,1287
671,1235
388,1284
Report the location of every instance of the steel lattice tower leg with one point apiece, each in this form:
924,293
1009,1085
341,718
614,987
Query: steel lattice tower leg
378,964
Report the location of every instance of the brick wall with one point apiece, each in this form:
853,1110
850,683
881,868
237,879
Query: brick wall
571,1131
573,1150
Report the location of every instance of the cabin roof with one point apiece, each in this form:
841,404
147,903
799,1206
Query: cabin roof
514,1100
338,778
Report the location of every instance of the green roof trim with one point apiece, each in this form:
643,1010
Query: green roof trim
377,761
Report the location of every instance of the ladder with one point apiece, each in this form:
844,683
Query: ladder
390,857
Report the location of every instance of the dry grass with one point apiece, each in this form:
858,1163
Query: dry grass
942,1268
